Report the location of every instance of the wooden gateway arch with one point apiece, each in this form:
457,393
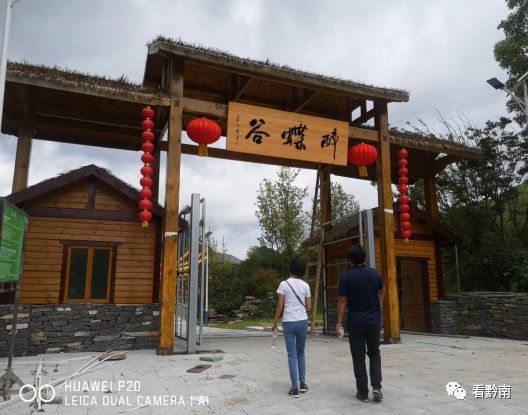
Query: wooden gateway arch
182,82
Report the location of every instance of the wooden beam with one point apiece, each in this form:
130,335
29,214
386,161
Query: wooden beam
363,134
309,96
364,118
441,163
391,313
240,85
23,150
197,106
172,195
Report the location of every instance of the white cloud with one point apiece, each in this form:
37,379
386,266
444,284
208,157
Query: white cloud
441,51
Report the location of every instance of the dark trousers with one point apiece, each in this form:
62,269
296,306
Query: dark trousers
359,337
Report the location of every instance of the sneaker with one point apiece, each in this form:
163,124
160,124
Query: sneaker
377,395
304,387
294,392
361,397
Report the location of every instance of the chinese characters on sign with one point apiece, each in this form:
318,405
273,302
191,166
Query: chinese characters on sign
268,132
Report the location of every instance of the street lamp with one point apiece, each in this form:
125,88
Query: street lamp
523,102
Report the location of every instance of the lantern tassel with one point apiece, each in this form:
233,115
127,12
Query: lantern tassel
144,224
362,171
202,150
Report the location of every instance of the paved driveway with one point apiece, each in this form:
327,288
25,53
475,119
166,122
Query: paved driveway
252,378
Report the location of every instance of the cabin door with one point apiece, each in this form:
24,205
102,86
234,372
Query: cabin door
413,294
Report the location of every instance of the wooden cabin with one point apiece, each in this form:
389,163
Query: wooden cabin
84,243
419,271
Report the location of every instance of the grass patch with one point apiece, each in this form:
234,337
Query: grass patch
242,325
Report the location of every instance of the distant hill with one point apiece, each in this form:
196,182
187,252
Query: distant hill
221,258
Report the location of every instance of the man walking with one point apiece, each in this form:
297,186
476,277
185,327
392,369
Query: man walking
361,288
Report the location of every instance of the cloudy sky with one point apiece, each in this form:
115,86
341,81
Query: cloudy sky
441,51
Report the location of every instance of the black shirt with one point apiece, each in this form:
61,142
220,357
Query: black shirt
361,285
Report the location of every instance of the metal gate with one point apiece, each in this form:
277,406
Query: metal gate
191,284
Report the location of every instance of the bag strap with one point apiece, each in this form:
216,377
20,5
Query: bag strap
298,298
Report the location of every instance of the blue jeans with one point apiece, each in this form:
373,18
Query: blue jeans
295,337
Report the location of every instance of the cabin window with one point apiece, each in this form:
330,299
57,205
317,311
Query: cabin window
88,274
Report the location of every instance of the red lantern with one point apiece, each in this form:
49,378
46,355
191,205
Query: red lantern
404,199
147,124
406,225
404,208
406,235
147,135
147,158
404,216
404,189
146,170
403,154
147,147
362,155
147,112
145,204
145,193
403,162
403,171
203,131
146,181
145,216
403,180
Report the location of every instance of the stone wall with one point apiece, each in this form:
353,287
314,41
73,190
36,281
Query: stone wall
79,327
487,314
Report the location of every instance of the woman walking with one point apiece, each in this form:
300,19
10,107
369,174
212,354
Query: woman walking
295,304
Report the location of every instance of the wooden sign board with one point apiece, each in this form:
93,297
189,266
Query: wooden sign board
269,132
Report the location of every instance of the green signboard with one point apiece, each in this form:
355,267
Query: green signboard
13,225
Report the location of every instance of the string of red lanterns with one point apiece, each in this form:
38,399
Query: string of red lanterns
403,181
145,194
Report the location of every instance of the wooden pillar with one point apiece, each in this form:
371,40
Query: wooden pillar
156,167
391,312
325,196
431,198
23,151
172,195
431,207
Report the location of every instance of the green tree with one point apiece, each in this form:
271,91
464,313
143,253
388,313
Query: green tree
343,204
279,212
511,53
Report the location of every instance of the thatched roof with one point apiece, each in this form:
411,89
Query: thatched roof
200,52
18,71
432,143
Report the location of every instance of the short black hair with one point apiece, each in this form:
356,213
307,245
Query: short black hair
357,254
297,267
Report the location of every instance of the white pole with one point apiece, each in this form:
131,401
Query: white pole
7,6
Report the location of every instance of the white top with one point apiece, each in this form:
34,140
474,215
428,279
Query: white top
293,309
